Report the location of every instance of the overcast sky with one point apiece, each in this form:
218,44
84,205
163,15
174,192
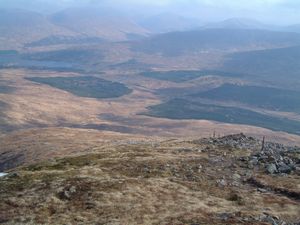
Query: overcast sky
275,11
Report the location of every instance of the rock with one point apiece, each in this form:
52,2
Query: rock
67,193
283,168
254,161
12,175
3,174
236,177
270,220
225,216
221,183
250,166
262,190
271,168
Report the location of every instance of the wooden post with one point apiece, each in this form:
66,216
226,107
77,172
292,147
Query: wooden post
263,144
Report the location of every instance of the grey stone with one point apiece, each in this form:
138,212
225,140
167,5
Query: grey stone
221,183
254,161
271,220
13,175
271,168
283,168
262,190
224,216
236,177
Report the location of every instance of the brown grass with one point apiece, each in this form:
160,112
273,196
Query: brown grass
32,105
141,183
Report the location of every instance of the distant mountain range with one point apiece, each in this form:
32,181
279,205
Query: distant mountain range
168,22
19,27
237,23
245,23
175,43
97,23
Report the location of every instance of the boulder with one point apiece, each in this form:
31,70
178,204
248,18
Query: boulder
271,168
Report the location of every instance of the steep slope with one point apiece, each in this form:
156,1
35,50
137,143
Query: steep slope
18,27
176,43
98,23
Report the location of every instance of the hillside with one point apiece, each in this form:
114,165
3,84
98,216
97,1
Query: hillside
228,180
71,26
18,27
128,112
98,23
270,63
168,22
293,28
176,43
237,23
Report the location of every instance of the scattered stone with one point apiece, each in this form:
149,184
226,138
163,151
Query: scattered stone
274,220
283,168
239,141
275,158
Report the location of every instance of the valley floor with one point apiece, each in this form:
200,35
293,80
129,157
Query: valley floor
26,107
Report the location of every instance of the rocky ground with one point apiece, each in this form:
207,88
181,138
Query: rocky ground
228,180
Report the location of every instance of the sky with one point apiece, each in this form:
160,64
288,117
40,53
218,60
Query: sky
270,11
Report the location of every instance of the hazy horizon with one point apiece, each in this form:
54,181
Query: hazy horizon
278,12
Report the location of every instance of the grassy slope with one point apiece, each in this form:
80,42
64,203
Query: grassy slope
173,183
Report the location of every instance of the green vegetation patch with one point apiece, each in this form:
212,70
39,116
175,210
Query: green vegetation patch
88,86
186,75
183,109
262,97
